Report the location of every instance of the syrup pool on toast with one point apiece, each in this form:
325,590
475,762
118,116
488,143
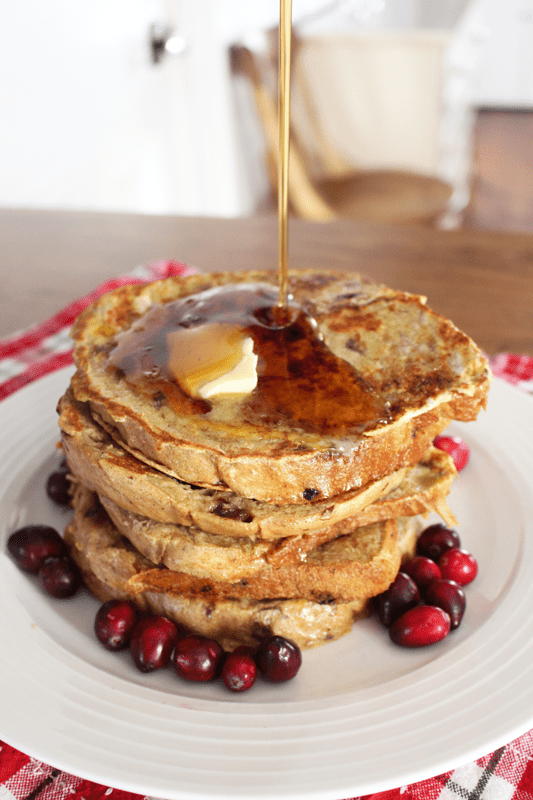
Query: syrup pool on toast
180,347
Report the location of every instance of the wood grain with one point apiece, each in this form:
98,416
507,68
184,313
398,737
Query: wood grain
480,279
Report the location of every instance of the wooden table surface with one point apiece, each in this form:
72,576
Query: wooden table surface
481,280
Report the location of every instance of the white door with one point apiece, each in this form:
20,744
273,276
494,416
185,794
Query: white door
88,121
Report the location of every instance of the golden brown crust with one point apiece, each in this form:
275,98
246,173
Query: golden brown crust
231,558
111,471
418,362
358,565
259,477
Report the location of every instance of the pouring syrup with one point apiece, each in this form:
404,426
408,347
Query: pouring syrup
284,94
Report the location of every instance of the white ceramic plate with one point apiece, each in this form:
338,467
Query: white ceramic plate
361,716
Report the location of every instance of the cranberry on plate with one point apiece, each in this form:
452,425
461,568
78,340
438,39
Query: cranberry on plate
278,658
197,658
31,545
58,487
422,570
239,670
402,594
435,539
456,447
60,577
449,596
458,565
420,626
114,623
152,642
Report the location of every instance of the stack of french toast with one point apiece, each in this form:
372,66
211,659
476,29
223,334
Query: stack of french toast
277,493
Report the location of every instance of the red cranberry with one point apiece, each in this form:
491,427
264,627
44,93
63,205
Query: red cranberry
433,541
422,570
114,623
420,626
278,659
239,670
458,565
59,576
152,642
456,448
197,658
58,488
401,595
29,546
449,596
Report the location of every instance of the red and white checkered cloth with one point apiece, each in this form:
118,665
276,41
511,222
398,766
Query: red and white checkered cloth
506,774
29,355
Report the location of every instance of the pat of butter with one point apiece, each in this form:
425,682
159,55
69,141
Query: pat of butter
211,360
242,379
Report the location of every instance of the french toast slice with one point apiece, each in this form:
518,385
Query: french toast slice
359,564
106,468
415,363
108,564
231,558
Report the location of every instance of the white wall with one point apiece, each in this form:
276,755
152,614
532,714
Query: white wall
506,70
87,121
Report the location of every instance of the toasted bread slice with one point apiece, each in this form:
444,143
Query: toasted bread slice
106,468
423,489
230,558
357,565
108,563
411,361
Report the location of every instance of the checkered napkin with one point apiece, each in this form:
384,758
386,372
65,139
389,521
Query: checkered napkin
29,355
506,774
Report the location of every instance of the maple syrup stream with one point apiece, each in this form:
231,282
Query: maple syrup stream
284,93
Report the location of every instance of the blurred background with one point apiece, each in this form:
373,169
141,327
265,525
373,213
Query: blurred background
402,109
